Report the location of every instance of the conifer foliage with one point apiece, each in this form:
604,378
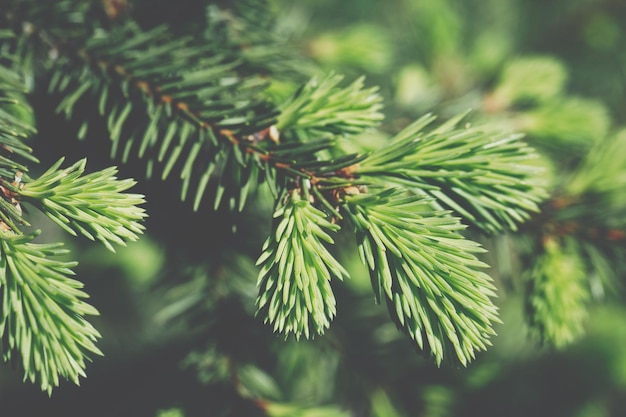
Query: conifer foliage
43,325
201,105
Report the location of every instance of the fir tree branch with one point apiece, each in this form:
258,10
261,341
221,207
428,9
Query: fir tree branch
173,101
419,263
178,103
557,295
190,107
16,126
43,312
94,205
321,108
603,170
42,322
425,271
296,268
490,179
252,29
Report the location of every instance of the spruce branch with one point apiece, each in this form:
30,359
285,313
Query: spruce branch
419,262
490,179
188,107
43,312
586,222
296,268
15,128
173,101
426,272
16,120
583,234
603,170
321,108
252,30
42,323
534,78
93,205
557,294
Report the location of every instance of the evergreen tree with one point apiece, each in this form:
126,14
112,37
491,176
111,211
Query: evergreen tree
287,172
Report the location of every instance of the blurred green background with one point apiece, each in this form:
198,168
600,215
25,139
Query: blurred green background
177,307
